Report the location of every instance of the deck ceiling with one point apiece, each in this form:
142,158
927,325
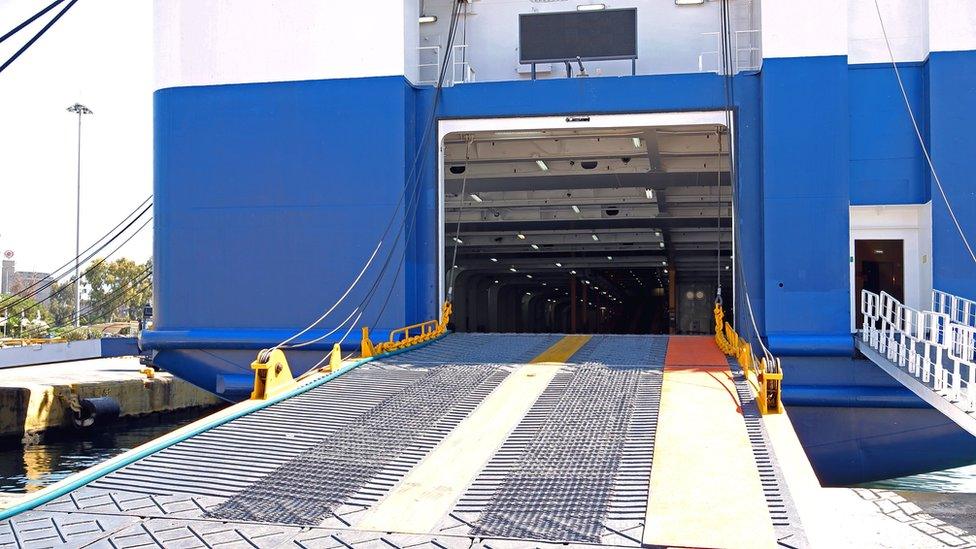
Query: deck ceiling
644,198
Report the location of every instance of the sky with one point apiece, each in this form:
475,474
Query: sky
101,55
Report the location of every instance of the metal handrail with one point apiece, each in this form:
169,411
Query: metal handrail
429,330
930,345
425,327
737,50
718,49
436,64
467,72
750,50
461,71
960,310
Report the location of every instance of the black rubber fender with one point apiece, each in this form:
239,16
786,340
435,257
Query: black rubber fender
96,410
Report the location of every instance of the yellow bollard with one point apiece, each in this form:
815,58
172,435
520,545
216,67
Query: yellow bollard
367,345
335,361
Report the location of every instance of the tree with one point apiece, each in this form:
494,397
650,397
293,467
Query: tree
61,304
13,316
117,290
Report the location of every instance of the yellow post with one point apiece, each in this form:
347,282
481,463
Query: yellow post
367,345
335,361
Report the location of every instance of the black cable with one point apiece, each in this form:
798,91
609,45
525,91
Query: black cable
88,270
728,80
111,298
418,160
92,267
413,196
70,263
728,70
406,227
29,20
57,274
450,40
140,277
736,251
86,322
457,232
430,123
40,33
52,281
718,222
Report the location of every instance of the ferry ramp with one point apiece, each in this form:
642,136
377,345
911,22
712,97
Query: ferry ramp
473,440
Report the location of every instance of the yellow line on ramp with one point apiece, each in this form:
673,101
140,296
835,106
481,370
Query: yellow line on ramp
562,349
704,489
431,489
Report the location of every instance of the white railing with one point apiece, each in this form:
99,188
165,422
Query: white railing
747,42
461,70
746,56
960,310
929,345
429,65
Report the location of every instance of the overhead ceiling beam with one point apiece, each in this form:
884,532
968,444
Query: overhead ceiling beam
576,146
659,222
653,152
554,167
498,238
530,265
554,213
452,184
530,195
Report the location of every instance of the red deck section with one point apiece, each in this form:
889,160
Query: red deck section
694,353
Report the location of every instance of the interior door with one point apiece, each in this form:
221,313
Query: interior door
879,266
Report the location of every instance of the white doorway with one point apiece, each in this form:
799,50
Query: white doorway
886,226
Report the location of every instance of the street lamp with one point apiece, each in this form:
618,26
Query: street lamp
79,109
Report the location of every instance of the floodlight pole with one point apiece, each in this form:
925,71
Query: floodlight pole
79,109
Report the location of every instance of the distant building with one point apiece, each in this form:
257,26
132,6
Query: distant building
6,273
14,281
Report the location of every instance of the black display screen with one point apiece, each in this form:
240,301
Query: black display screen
589,35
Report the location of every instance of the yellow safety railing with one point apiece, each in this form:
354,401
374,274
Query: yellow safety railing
272,374
765,374
408,336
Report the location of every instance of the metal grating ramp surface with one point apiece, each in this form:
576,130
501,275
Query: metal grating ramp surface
193,477
478,348
576,468
393,435
623,351
224,460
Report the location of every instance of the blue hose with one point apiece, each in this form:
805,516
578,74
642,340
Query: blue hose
98,472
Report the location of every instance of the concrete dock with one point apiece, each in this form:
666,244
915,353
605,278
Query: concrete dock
35,399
